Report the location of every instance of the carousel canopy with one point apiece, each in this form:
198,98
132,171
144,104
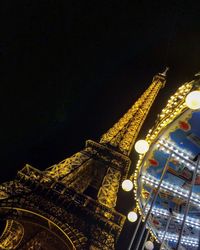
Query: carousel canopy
174,146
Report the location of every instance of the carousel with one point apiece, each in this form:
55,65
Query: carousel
167,176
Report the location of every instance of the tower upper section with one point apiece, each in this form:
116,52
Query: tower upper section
123,134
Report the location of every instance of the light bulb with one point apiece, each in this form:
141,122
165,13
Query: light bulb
193,100
141,146
132,216
149,245
127,185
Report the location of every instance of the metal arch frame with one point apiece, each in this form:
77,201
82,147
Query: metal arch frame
9,231
70,238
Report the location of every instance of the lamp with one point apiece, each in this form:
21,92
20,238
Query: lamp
141,146
127,185
132,216
149,245
192,100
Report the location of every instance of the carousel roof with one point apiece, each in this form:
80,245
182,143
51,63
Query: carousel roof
174,143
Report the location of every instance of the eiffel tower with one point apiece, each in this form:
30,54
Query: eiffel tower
72,205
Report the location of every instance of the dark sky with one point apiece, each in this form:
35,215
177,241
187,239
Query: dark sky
70,69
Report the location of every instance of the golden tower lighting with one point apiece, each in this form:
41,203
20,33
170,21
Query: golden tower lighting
67,182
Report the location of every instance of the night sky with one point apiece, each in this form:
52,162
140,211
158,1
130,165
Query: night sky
70,69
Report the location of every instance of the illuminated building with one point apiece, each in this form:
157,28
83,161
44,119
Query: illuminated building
71,205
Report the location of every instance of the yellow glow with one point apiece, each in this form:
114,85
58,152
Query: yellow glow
127,185
132,216
141,146
193,100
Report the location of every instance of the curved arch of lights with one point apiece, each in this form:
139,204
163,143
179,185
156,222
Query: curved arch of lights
161,143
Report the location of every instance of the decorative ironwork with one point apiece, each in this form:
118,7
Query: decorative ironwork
82,178
67,167
12,235
57,194
102,239
123,134
108,191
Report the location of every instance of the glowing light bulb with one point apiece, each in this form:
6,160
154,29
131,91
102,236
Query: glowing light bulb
193,100
149,245
132,216
127,185
141,146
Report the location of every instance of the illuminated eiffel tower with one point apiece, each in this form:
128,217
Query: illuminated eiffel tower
71,205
